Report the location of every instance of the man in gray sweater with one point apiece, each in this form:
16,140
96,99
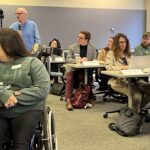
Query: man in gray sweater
144,47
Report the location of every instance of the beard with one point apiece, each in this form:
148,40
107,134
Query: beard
145,45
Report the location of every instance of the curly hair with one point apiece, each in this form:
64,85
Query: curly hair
58,42
116,46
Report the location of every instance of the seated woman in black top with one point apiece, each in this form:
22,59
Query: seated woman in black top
55,46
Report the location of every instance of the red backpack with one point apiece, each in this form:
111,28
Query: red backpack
81,97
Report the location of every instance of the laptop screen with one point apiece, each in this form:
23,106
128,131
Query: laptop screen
139,62
57,52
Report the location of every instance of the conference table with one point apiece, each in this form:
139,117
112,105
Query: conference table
135,73
88,65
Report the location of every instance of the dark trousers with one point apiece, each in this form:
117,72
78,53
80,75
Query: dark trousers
20,129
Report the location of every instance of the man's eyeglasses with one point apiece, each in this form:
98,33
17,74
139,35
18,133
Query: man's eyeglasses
19,14
80,37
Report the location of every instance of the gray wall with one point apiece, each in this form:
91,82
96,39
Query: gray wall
65,23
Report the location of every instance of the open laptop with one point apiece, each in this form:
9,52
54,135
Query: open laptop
139,62
138,65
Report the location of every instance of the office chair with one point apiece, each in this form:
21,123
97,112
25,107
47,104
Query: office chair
108,93
107,90
114,96
144,112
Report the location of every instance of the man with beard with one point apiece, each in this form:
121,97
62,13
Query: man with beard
144,47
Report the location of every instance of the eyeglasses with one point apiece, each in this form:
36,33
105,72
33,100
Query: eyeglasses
19,14
79,37
121,42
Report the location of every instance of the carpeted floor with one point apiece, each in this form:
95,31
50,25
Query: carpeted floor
86,129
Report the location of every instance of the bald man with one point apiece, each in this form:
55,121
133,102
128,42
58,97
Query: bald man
27,28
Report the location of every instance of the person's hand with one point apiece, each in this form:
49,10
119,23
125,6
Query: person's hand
101,62
84,59
124,67
12,101
16,93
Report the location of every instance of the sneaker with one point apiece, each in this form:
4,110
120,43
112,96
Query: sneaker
88,105
69,106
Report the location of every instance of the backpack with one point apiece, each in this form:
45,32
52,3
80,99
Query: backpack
81,96
128,124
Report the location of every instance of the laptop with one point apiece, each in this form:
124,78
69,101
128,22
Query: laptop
57,52
139,62
138,65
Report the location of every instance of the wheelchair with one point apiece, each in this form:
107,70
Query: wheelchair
44,137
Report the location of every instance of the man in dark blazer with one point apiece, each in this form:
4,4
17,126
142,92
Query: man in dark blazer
87,52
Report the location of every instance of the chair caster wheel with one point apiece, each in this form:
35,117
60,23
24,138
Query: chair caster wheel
105,115
104,99
61,98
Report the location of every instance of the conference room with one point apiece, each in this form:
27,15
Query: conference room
86,129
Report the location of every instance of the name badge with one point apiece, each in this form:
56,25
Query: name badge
16,66
1,83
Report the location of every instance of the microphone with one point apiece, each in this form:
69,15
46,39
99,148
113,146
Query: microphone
19,26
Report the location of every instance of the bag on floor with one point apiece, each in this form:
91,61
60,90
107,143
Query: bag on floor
81,97
58,88
128,124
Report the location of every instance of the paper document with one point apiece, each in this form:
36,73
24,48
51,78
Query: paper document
146,70
132,72
59,59
90,63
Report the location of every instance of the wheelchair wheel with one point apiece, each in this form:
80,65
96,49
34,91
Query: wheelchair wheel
50,138
36,143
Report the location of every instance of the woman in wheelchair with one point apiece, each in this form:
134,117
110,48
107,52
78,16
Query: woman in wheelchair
118,59
24,85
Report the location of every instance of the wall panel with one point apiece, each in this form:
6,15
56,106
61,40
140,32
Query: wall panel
65,23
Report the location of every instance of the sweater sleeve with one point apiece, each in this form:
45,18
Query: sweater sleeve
5,93
37,38
101,55
109,61
40,87
138,51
